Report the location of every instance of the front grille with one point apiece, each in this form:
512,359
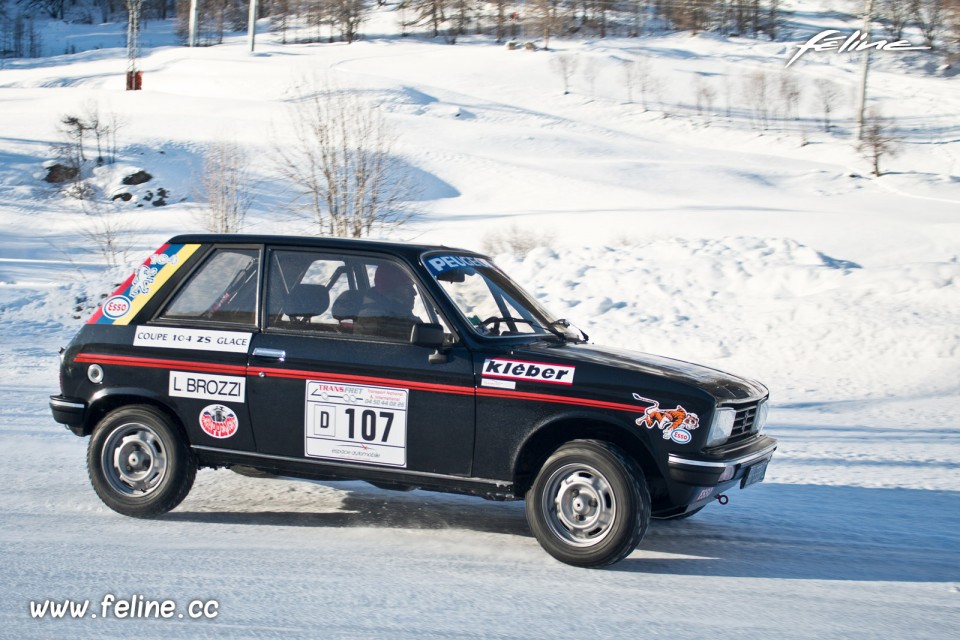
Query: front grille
744,422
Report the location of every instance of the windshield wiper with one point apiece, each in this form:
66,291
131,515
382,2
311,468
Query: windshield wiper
496,320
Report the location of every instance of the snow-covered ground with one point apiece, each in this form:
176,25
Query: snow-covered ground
691,235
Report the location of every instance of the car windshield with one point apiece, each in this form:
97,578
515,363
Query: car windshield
492,303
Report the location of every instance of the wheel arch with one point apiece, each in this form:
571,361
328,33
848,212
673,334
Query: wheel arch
554,432
111,399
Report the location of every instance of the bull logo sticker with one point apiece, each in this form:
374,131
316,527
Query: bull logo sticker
143,277
675,424
218,421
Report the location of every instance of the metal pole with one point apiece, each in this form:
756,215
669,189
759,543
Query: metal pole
194,12
252,24
867,18
133,44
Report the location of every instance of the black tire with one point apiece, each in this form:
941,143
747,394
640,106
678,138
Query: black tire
139,462
589,505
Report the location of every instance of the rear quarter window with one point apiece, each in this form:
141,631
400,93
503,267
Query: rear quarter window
222,290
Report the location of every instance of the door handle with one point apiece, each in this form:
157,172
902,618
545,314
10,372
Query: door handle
275,354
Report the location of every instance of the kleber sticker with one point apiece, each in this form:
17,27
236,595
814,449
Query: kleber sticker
356,423
121,307
207,386
529,371
676,424
439,264
218,421
200,339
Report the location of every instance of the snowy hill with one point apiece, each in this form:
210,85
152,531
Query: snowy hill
738,234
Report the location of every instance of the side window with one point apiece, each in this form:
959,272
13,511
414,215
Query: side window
301,289
344,294
223,289
392,304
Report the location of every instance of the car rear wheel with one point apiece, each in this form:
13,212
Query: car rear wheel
589,505
139,462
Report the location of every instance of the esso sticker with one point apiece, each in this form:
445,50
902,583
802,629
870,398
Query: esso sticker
218,421
681,436
116,307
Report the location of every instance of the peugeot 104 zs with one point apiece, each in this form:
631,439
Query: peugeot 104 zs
402,365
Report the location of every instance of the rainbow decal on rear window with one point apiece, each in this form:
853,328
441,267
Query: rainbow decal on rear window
136,291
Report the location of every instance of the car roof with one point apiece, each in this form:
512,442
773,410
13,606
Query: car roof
412,251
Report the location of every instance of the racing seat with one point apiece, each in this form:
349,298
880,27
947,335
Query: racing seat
346,308
305,301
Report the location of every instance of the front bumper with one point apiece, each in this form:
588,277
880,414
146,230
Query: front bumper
725,465
696,480
69,412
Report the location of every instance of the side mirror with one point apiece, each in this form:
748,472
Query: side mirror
429,334
426,334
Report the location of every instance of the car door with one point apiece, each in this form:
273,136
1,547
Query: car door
195,349
327,384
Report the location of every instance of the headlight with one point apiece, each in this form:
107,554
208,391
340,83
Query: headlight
761,420
721,426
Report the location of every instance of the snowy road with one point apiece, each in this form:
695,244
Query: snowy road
766,252
289,559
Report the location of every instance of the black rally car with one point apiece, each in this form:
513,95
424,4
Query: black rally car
404,366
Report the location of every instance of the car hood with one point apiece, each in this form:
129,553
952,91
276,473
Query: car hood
719,384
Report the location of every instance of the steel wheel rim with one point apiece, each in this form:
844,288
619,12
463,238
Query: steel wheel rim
134,460
579,505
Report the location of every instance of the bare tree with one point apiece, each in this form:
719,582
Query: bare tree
71,157
431,12
341,164
108,232
75,133
828,92
757,90
516,240
591,69
546,11
895,15
879,139
226,183
790,94
104,128
705,95
348,15
952,35
929,16
628,69
639,7
501,19
564,65
636,75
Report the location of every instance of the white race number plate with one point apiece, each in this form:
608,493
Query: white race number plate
356,423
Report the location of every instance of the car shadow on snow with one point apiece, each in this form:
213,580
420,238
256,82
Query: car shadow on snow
362,505
780,531
812,532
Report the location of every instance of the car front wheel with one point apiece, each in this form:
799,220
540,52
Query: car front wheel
139,462
589,505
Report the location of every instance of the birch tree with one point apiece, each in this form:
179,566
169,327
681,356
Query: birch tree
341,164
